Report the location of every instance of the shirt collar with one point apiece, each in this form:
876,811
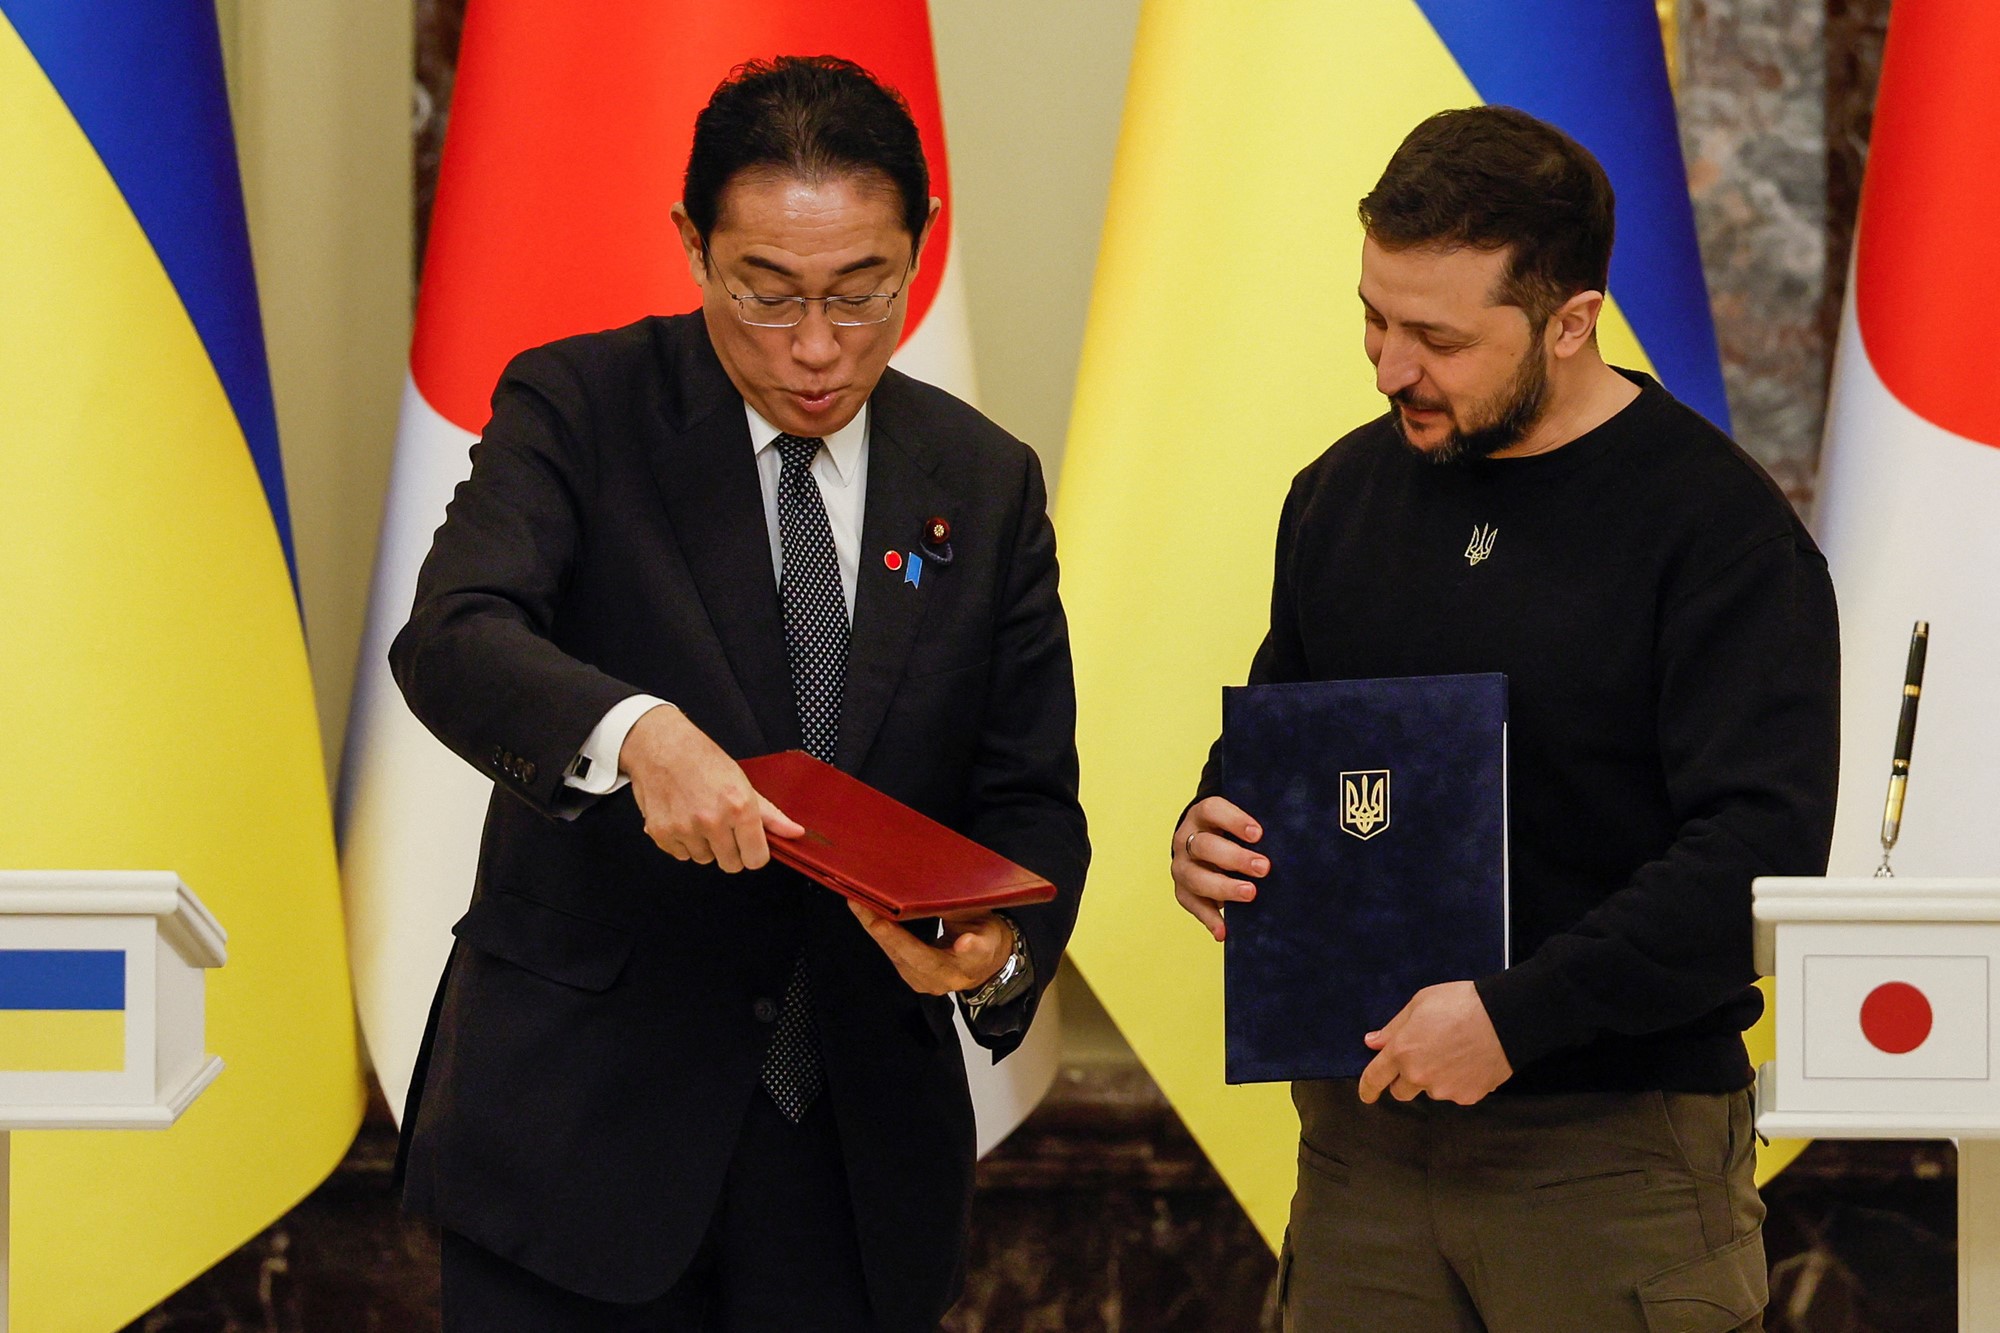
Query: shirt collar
843,446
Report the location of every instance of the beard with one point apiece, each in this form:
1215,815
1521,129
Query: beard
1505,419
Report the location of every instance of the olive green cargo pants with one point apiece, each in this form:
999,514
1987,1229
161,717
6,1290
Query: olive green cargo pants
1573,1213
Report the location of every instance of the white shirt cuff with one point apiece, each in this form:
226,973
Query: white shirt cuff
594,771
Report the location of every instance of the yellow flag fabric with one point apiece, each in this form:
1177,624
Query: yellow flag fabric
157,703
1223,353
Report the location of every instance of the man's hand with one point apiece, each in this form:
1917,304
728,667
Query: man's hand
1442,1044
972,950
698,804
1210,860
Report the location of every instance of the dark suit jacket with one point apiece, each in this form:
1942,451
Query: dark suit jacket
601,1027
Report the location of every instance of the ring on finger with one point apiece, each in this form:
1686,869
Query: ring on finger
1188,846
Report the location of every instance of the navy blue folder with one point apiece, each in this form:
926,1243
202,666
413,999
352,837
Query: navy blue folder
1384,809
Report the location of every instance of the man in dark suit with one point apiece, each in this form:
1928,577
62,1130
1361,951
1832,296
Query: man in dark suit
670,1086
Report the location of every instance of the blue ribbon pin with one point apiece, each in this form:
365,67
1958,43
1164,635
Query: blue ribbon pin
913,570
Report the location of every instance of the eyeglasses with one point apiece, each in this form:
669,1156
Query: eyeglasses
785,312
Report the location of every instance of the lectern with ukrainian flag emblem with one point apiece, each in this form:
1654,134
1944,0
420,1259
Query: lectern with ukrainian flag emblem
1886,1005
102,981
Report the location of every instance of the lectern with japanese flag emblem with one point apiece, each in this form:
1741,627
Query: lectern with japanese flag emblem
1886,1006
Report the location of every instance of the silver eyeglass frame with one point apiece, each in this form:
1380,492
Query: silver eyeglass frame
748,301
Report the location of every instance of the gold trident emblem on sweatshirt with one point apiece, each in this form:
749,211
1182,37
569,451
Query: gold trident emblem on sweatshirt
1364,805
1481,544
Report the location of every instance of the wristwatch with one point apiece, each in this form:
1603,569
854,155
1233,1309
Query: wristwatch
1015,976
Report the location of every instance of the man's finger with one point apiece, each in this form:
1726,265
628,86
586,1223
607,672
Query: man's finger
1225,815
1389,1029
777,822
1379,1074
1403,1090
728,855
1201,910
656,829
901,946
1207,847
923,967
973,953
750,844
1214,885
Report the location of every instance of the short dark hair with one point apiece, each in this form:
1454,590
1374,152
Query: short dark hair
814,117
1491,178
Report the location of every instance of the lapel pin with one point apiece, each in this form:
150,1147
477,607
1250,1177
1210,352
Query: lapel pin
913,574
893,560
936,541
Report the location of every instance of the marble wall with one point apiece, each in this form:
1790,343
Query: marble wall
439,23
1774,99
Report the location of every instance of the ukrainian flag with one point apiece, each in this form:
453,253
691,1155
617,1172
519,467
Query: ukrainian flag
1224,353
62,1010
158,711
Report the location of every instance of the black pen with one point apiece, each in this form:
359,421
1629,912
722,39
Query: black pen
1906,735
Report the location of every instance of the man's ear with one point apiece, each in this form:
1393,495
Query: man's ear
691,243
930,225
1574,323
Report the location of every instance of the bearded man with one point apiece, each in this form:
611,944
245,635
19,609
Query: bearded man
1668,634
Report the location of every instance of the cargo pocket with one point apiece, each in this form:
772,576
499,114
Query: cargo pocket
553,944
1722,1290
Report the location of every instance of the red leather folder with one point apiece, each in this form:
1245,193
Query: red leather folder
881,853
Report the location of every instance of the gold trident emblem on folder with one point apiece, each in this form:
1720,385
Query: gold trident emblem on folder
1364,804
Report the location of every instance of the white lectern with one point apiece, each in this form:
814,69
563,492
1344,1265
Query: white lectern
101,1005
1886,1004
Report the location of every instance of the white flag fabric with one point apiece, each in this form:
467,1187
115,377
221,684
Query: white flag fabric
1909,505
530,241
410,810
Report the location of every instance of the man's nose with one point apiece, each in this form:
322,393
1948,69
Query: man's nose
814,342
1396,369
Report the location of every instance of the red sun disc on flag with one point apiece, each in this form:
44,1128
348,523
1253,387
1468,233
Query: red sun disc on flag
1896,1017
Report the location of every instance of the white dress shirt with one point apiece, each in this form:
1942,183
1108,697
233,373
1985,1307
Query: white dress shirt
841,469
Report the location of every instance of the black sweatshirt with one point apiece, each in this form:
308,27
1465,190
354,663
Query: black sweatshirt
1668,634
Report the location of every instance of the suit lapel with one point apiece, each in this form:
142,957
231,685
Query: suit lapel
708,480
887,610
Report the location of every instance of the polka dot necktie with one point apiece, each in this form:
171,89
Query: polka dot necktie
815,613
